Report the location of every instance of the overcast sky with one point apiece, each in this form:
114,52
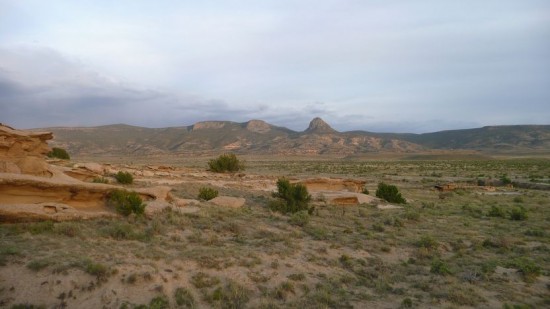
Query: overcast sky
399,66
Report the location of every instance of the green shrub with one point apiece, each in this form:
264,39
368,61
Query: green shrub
293,197
207,193
184,298
97,269
389,193
226,163
126,202
518,213
232,295
39,264
58,153
300,218
159,302
427,242
440,267
118,230
535,232
496,212
505,179
366,191
526,267
124,177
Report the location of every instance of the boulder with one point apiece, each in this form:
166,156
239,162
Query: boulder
23,152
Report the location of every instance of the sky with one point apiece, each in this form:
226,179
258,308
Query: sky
382,66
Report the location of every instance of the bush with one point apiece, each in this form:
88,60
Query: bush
427,242
159,302
529,269
126,202
366,191
496,212
505,179
292,197
300,218
518,214
58,153
184,298
389,193
207,193
124,177
440,267
225,163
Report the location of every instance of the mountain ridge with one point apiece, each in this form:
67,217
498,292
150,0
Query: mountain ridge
259,137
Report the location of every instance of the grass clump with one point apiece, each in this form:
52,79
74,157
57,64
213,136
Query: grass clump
231,296
126,202
225,163
529,269
440,267
389,193
39,264
159,302
124,178
427,242
207,193
292,198
202,280
96,269
496,211
59,153
184,298
300,218
518,213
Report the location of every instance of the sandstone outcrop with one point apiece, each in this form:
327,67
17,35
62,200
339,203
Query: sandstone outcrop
258,126
331,184
23,152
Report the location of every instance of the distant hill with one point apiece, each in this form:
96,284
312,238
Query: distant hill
510,138
212,137
260,137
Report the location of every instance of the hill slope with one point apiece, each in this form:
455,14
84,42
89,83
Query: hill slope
212,137
260,137
514,138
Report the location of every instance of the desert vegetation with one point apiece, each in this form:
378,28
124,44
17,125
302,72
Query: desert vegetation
124,177
59,153
463,249
126,202
207,194
226,163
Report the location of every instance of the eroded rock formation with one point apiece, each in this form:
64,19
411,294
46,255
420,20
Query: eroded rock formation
331,184
23,152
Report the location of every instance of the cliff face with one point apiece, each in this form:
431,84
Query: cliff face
23,152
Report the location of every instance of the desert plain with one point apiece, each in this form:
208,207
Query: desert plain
473,233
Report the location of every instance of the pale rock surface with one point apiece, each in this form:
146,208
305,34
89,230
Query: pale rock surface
333,184
23,152
228,201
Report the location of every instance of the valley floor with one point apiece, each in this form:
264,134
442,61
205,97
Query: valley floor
459,249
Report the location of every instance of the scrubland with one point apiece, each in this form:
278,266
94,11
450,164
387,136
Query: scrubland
459,249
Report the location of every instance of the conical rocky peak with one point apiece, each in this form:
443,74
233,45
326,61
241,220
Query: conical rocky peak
318,125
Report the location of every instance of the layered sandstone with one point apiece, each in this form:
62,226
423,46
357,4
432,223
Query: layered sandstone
331,184
23,152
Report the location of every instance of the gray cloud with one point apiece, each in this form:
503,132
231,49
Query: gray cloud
408,65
